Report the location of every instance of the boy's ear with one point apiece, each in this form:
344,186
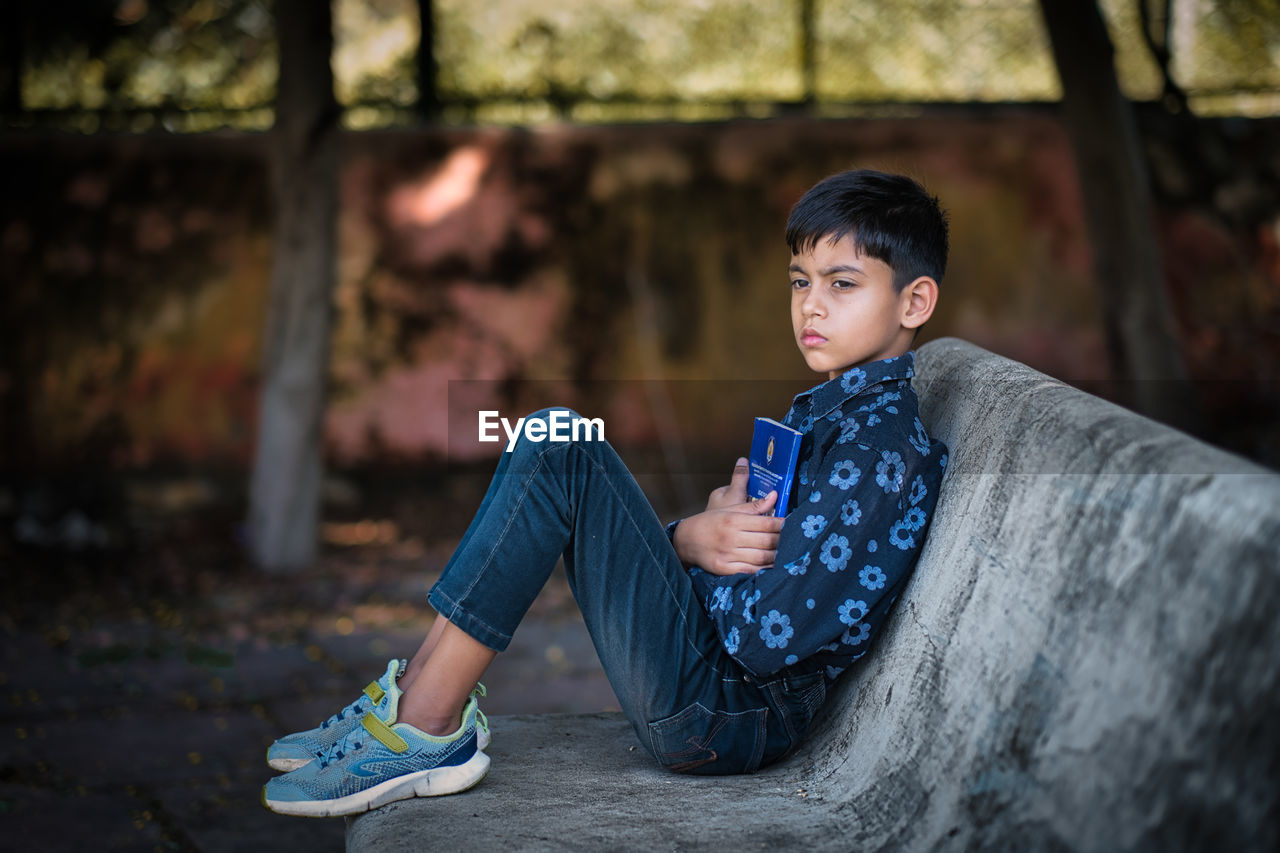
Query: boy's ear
919,298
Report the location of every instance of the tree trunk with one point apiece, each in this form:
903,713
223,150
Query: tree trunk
428,91
284,499
808,54
1137,320
12,35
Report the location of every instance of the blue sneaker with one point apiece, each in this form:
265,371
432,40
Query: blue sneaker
293,751
382,696
377,763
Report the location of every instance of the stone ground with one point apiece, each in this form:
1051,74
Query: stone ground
138,692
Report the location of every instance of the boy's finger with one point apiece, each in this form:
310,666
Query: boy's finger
754,522
759,540
765,504
759,556
738,482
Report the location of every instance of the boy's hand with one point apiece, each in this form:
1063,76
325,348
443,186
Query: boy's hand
734,494
734,535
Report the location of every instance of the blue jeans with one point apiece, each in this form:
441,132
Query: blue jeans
693,708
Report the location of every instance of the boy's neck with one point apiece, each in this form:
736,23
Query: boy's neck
832,374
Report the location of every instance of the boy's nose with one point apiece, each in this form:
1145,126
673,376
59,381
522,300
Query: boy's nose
812,306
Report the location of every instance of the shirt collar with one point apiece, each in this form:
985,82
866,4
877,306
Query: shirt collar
855,381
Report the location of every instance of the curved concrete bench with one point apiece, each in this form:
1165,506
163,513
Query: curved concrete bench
1085,658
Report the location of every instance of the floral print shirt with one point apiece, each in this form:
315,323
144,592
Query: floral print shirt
866,485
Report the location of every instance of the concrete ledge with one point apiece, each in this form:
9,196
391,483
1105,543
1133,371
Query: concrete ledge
580,782
1086,658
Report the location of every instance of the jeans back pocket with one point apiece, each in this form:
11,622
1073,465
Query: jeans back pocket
697,740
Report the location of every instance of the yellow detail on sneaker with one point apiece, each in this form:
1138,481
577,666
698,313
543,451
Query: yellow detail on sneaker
374,692
383,732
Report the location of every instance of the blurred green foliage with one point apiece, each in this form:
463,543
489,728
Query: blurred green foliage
608,49
191,65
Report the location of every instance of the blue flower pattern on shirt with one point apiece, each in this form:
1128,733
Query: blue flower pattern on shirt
782,622
889,471
853,381
844,475
920,441
800,566
721,599
881,402
869,468
857,634
835,553
900,535
918,490
872,577
851,611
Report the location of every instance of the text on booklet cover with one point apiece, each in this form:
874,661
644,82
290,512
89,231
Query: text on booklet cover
772,464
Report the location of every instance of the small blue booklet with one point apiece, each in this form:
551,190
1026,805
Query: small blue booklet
772,464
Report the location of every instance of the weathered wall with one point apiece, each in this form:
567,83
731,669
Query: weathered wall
135,276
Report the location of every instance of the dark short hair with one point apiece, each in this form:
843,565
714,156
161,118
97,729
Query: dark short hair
890,217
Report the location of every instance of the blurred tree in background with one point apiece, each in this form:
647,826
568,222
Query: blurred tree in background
284,493
1138,322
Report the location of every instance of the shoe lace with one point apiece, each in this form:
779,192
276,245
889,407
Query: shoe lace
339,750
353,708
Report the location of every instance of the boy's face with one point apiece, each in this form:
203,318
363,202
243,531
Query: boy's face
844,308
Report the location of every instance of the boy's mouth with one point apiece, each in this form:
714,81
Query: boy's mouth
810,338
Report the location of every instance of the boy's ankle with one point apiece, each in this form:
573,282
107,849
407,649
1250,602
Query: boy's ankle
432,724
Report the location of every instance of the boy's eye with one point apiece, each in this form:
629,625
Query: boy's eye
799,283
842,284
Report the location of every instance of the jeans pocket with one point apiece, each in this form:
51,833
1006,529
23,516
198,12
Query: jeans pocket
795,700
808,693
697,740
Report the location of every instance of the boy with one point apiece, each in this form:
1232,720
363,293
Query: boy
721,635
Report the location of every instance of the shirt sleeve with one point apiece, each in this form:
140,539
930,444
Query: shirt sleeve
834,565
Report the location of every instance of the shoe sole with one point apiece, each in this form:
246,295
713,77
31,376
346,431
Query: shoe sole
425,783
286,765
